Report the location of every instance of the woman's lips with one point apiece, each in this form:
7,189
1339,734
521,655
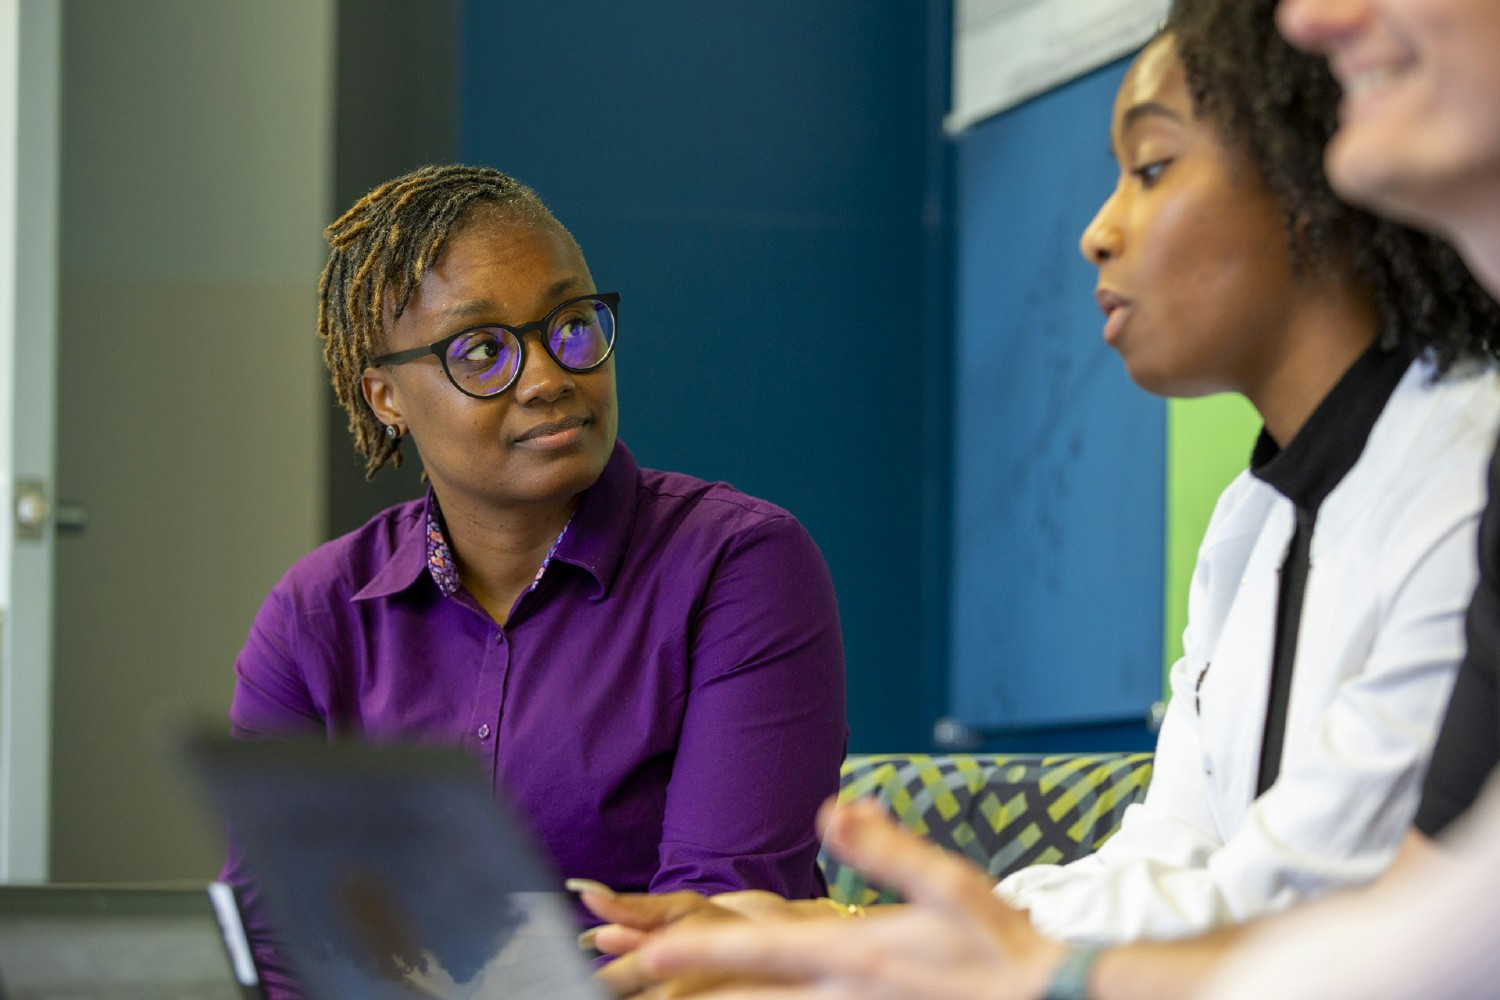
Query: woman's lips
1116,309
1369,79
553,434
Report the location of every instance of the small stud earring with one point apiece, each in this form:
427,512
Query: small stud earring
392,432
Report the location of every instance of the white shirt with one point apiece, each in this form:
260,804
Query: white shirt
1430,933
1393,565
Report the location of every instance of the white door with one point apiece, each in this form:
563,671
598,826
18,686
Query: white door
30,47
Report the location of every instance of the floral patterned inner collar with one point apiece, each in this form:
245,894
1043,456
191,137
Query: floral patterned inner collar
440,562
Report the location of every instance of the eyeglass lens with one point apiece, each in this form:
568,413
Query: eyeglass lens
486,361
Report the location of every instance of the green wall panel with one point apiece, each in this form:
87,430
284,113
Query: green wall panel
1208,444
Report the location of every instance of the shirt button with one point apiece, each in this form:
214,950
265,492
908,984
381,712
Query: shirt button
499,637
484,732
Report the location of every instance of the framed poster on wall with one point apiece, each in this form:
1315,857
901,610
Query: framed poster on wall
1005,51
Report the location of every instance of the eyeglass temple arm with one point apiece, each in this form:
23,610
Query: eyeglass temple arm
402,356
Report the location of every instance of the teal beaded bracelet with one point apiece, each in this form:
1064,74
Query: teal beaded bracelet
1072,979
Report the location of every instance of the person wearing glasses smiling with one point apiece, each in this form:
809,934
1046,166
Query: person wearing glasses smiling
648,665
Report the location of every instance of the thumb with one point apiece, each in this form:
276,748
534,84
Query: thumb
862,835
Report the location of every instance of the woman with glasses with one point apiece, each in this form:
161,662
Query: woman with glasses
649,666
1327,607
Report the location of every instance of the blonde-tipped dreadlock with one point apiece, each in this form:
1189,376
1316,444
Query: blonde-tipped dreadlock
379,251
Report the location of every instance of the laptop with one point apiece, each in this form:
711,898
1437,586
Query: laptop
91,942
391,871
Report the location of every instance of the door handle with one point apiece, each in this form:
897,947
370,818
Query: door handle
33,510
70,517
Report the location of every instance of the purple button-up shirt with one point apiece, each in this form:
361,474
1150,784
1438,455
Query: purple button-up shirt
665,707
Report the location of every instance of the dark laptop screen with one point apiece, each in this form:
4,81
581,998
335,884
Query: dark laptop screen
86,942
392,872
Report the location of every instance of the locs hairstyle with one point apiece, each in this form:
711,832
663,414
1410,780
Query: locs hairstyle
379,251
1281,107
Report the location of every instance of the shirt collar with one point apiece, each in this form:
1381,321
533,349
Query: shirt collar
411,555
602,524
594,540
1331,441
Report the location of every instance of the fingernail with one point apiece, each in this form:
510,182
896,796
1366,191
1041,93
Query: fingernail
586,939
588,885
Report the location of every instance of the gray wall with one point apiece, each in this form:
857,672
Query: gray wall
197,174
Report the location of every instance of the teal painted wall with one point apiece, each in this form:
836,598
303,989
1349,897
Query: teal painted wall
763,183
1057,558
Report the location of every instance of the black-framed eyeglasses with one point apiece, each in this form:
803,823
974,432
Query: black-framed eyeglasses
484,361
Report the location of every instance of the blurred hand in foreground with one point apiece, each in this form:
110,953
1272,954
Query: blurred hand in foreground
955,940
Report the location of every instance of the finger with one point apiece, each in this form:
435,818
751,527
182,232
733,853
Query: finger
625,977
826,811
750,991
782,949
904,952
861,834
612,939
641,911
698,986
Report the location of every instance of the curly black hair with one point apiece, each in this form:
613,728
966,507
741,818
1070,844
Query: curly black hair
1281,106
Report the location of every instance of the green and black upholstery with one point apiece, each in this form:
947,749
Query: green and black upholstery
1002,811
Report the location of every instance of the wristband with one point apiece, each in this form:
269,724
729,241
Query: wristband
1071,981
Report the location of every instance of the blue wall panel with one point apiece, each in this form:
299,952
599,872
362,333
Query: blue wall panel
751,178
1058,458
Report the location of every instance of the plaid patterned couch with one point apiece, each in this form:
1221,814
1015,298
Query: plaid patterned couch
1003,811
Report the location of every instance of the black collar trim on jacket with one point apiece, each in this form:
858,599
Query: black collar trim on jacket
1328,445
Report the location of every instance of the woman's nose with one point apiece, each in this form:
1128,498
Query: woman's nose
1101,237
541,379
